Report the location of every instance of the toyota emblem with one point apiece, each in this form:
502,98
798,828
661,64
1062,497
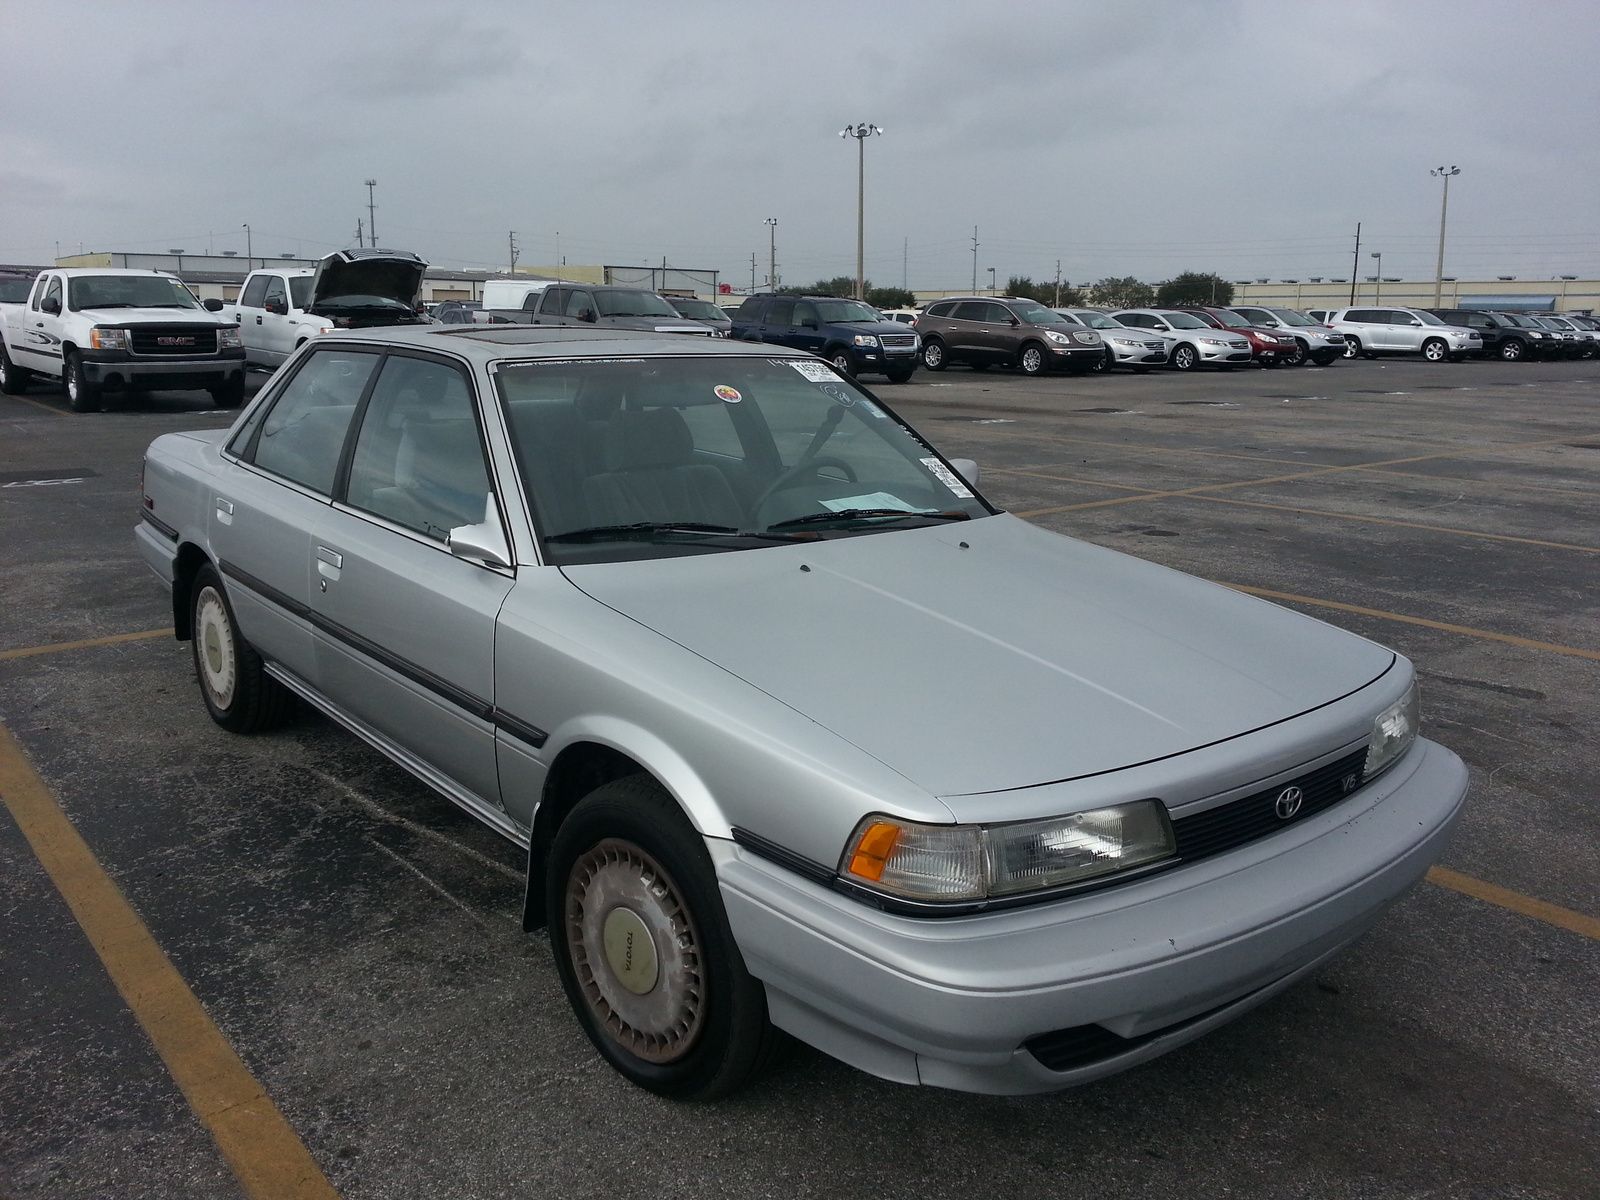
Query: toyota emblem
1288,803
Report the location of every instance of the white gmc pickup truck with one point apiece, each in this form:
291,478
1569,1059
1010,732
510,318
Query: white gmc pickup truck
279,308
100,330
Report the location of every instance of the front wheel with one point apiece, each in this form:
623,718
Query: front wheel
933,355
238,692
1298,358
643,947
1185,358
1103,363
900,374
229,394
13,379
1352,347
842,362
1324,358
1435,350
1512,349
82,396
1032,359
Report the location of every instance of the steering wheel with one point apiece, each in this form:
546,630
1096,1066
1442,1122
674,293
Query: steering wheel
802,469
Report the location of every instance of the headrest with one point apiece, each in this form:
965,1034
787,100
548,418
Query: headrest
655,437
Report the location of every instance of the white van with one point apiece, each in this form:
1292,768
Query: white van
512,293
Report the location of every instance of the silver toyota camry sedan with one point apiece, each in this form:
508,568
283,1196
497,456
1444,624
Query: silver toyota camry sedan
799,731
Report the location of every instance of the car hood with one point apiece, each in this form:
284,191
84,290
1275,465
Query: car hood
199,318
873,327
398,278
990,655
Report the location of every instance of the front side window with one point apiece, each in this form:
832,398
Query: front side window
834,311
805,314
632,303
579,302
276,294
654,457
1178,320
302,435
52,292
418,457
255,292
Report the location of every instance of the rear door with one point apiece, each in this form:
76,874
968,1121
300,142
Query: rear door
777,324
964,335
405,629
37,345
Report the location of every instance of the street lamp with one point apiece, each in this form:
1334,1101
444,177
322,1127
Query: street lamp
249,254
1377,280
1444,206
861,131
772,253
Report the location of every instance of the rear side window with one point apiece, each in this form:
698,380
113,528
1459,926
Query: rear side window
941,309
418,458
971,310
1365,316
750,310
302,435
780,312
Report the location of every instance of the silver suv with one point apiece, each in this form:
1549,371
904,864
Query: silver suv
1315,340
1369,332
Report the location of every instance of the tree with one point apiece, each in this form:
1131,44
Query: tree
890,297
1193,287
1044,292
1126,292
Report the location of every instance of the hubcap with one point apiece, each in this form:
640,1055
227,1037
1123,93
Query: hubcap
1030,361
214,639
635,950
932,355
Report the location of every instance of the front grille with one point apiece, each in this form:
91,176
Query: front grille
165,341
1255,816
898,340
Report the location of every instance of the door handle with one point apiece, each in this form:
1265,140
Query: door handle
224,511
331,557
258,318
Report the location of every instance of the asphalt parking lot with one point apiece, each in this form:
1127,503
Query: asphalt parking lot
356,939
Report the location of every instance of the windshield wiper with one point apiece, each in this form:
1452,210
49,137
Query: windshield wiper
641,531
109,304
859,514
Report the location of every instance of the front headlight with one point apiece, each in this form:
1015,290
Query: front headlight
1214,341
866,339
976,862
1126,342
1393,731
228,338
108,339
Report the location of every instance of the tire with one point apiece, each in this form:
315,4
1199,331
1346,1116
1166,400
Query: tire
1302,351
82,396
1435,350
842,361
1513,349
1271,364
238,692
1103,364
14,380
1352,346
1032,358
933,354
1184,357
900,374
632,895
1326,358
229,394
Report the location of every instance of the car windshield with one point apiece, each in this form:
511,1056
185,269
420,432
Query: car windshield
846,310
632,303
1184,321
300,290
1290,317
1095,320
643,458
14,289
128,291
1520,321
1038,314
700,310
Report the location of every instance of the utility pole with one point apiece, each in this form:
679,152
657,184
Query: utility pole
1444,207
772,253
1355,266
511,243
1058,283
974,259
752,270
905,258
1377,280
372,220
861,131
361,233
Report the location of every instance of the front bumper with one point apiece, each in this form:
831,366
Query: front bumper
1146,966
115,368
1223,354
1138,354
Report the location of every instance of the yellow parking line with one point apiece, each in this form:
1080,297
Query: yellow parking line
57,412
1539,910
110,640
266,1155
1384,615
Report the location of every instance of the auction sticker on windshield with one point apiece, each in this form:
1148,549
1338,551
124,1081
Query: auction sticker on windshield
816,372
948,477
729,394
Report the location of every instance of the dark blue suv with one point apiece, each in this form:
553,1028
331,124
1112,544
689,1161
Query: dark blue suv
855,337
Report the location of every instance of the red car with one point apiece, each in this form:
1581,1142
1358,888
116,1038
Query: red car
1266,347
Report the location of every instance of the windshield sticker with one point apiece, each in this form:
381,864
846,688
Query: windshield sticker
948,477
816,372
872,410
838,394
727,394
873,500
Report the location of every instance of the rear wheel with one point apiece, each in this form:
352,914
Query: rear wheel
1184,358
234,684
1512,349
933,354
1435,350
643,947
14,380
82,396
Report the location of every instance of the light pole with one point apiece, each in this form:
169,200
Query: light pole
1377,280
372,219
991,279
249,254
861,131
772,253
1444,207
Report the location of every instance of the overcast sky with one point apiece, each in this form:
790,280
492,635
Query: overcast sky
1145,139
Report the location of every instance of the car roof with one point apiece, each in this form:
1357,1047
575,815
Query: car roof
489,343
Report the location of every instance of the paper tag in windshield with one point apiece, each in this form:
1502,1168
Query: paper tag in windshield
948,477
871,500
816,372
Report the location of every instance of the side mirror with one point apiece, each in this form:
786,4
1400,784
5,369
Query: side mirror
276,307
967,469
1015,321
482,543
808,324
587,314
50,305
213,305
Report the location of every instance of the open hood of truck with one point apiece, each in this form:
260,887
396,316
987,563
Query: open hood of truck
367,278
